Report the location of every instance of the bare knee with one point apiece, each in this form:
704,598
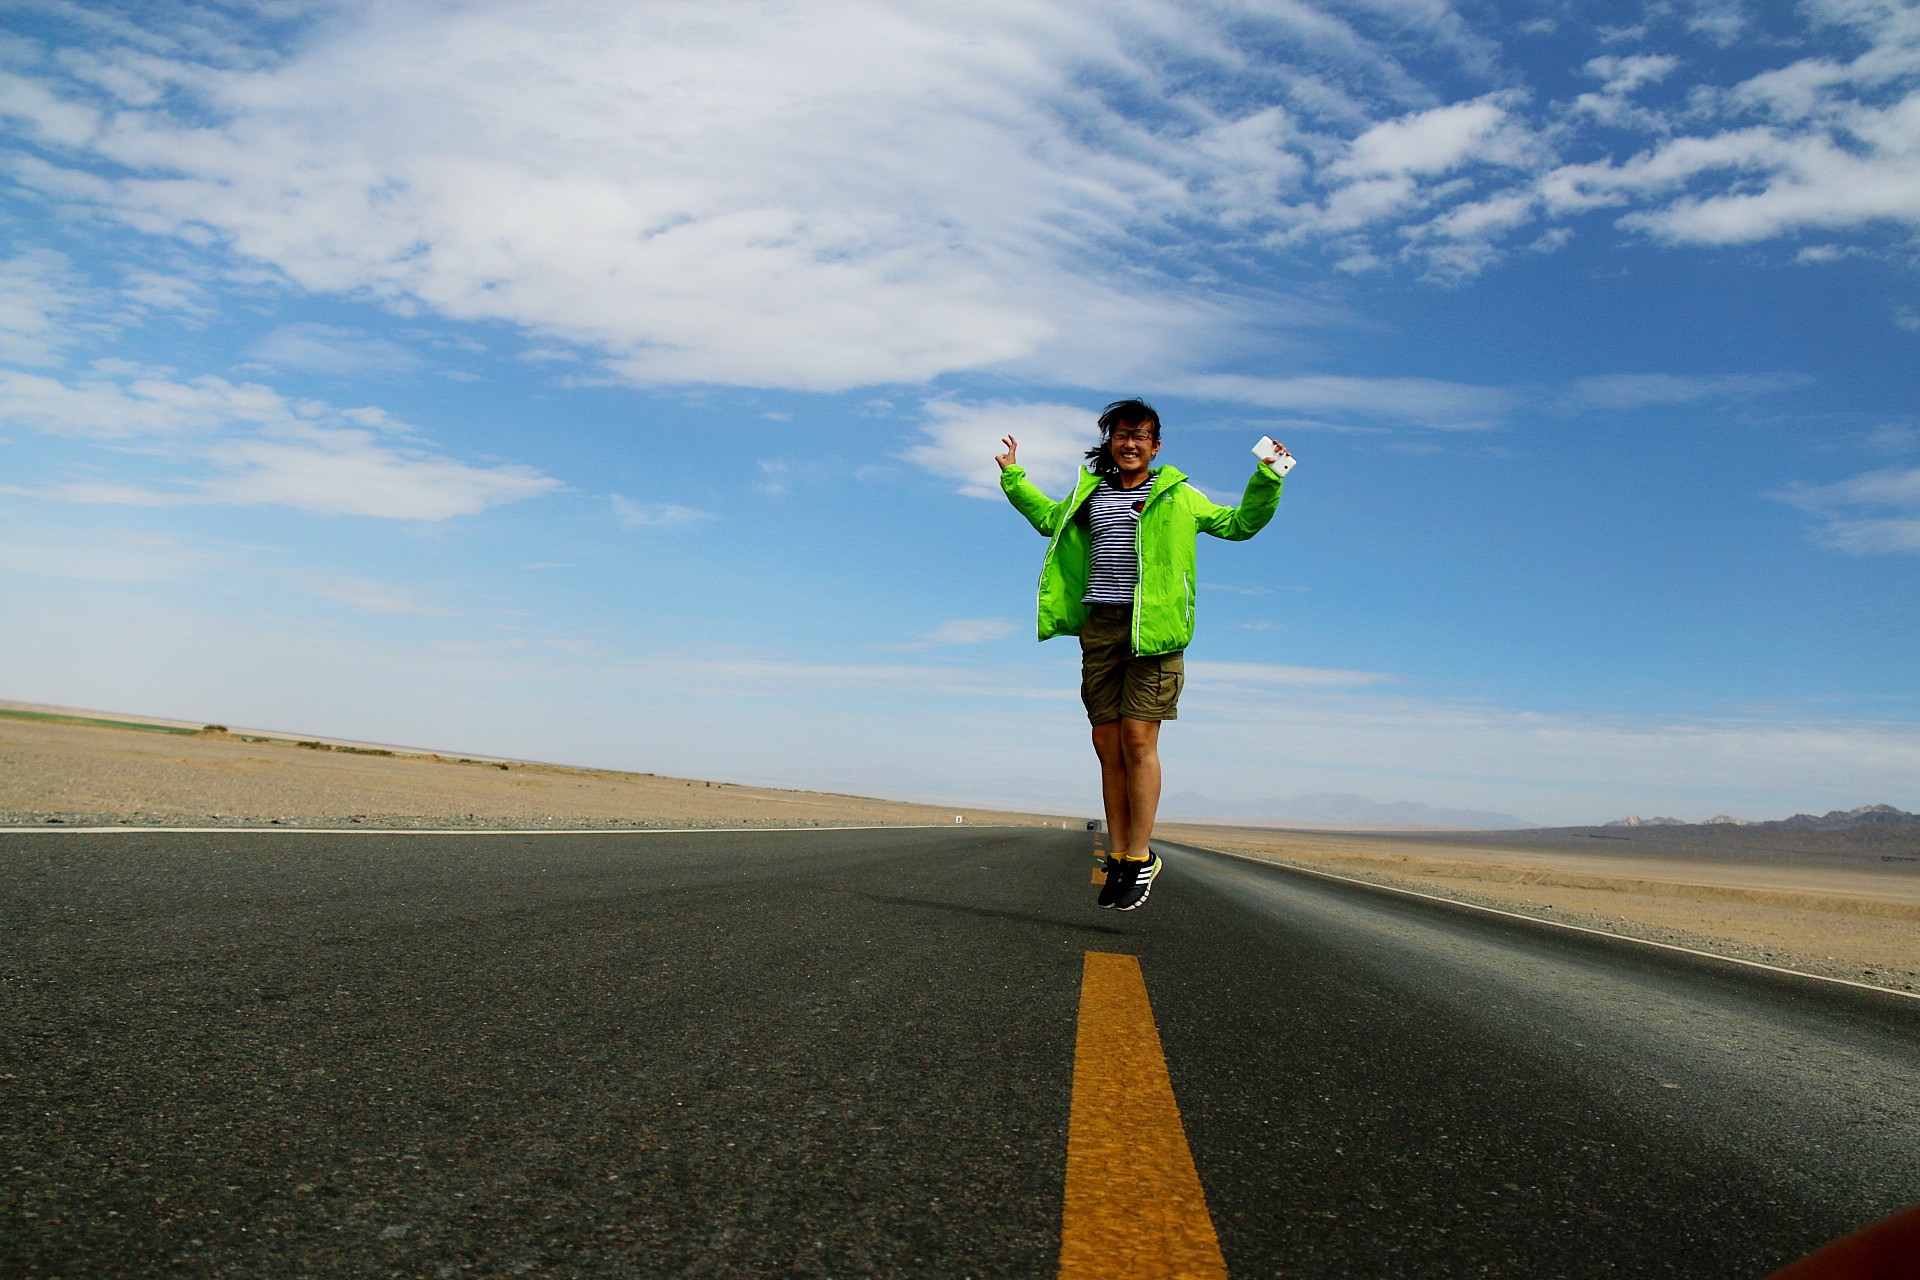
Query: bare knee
1107,743
1139,739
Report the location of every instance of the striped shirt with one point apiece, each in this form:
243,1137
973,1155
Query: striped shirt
1113,514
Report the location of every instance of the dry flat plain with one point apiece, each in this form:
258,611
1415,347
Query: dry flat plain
1858,922
88,774
1853,921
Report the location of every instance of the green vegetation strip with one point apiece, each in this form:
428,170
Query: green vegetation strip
111,724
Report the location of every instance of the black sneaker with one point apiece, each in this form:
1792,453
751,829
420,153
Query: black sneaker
1111,880
1136,882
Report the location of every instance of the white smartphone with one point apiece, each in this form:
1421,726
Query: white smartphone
1267,448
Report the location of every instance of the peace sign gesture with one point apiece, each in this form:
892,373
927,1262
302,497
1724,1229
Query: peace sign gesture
1006,459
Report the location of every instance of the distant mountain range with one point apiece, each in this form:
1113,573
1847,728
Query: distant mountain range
1884,815
1327,808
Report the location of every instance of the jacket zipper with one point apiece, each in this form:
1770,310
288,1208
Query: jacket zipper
1139,574
1139,566
1040,587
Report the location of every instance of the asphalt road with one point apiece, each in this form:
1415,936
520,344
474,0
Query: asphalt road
838,1054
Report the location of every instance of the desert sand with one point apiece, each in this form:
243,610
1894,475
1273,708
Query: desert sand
1856,922
91,775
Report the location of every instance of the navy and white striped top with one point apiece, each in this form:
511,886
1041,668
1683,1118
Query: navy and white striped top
1113,514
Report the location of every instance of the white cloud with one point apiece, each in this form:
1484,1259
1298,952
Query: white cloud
1817,144
1889,534
730,193
760,677
120,402
1268,675
39,299
1621,391
1441,139
844,193
1890,438
1579,767
1394,173
158,291
1427,402
866,192
577,647
1876,512
959,631
105,557
963,439
1622,75
654,515
1721,21
47,306
344,471
327,349
969,631
375,597
265,448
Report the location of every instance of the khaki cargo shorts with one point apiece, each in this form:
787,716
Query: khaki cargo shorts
1114,683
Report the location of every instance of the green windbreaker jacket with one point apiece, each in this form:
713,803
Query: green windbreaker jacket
1174,517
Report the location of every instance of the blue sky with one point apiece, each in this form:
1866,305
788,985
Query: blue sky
618,384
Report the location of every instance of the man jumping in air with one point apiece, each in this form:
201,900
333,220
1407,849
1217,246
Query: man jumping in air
1119,574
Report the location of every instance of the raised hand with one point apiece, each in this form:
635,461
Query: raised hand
1006,459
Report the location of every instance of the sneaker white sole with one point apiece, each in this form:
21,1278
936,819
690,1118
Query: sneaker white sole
1145,893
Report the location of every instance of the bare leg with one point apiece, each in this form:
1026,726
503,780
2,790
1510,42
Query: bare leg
1140,745
1113,783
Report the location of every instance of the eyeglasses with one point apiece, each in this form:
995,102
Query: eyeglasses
1144,436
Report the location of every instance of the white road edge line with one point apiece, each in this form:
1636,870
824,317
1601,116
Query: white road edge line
497,831
1561,924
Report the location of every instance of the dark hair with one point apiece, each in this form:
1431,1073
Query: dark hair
1121,413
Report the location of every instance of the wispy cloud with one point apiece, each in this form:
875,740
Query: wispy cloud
108,557
655,515
376,597
958,631
1621,391
962,441
49,307
1428,402
345,472
759,223
682,191
40,296
262,448
1267,675
328,349
1876,512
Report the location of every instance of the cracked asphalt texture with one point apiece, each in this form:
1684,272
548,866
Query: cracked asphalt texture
849,1053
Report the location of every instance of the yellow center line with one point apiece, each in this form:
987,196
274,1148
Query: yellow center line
1134,1207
